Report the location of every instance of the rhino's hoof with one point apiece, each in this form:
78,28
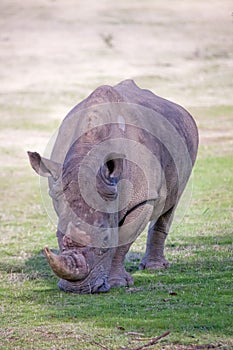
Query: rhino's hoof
159,264
121,281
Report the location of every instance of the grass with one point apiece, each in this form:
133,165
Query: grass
192,299
51,58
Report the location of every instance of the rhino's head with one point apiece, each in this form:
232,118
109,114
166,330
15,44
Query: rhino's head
84,193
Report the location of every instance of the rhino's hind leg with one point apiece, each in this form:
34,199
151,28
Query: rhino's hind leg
154,258
118,275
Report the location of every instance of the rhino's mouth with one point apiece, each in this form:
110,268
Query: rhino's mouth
91,284
81,267
75,273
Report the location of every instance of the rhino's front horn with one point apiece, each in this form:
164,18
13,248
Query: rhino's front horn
70,266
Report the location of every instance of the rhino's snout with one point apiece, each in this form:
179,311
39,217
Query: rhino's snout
89,286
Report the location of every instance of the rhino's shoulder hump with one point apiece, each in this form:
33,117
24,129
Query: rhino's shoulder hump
175,114
104,94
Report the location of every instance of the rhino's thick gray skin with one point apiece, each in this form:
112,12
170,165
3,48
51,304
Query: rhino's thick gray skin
121,160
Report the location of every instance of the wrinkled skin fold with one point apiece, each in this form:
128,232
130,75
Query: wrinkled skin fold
121,161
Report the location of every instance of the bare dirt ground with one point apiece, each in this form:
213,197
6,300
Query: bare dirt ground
53,53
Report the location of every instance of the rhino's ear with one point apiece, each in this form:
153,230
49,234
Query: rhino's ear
43,166
113,166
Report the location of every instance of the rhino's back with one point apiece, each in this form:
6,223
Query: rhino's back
174,113
127,92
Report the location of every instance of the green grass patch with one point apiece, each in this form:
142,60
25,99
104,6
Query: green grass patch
192,299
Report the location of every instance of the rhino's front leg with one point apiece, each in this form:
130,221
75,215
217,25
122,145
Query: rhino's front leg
118,275
154,258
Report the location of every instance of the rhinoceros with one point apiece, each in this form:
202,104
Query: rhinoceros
120,161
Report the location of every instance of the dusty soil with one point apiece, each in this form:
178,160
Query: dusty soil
53,53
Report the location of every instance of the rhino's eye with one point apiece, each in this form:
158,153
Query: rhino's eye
101,251
105,240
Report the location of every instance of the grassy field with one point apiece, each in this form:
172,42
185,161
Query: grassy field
40,81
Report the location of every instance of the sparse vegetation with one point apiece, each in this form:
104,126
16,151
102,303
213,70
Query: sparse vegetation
193,298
